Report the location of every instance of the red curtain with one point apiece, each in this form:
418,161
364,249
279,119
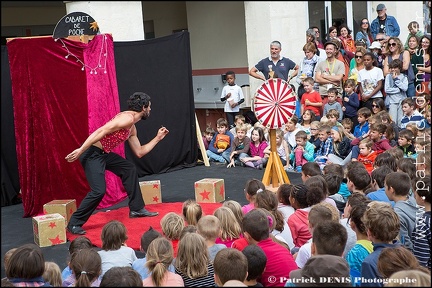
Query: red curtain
57,104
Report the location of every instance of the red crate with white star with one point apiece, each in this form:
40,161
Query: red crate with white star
49,230
151,191
64,207
210,190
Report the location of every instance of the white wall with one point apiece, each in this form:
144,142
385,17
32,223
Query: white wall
218,38
123,20
267,21
166,15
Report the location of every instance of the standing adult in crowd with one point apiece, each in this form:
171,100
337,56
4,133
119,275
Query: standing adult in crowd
384,23
396,51
348,43
275,66
96,156
421,64
329,73
365,32
319,44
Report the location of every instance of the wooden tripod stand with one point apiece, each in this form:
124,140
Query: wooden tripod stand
274,172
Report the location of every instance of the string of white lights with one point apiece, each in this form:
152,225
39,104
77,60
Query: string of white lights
102,53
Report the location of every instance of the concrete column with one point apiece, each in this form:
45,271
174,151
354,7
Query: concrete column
265,21
123,20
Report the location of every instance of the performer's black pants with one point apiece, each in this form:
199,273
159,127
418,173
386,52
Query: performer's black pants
95,161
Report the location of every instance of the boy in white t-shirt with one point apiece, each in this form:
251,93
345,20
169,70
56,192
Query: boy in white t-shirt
233,95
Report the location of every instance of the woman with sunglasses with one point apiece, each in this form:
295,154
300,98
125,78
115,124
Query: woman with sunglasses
358,63
378,105
396,51
421,65
364,32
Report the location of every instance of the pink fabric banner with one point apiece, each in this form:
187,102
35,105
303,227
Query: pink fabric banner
57,105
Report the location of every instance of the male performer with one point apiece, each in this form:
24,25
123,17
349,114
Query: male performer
95,155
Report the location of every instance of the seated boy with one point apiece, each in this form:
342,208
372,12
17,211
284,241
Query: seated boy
220,146
382,225
411,114
257,261
326,146
397,189
210,228
405,143
240,147
230,268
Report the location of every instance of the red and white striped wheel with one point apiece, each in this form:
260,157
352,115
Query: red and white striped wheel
274,103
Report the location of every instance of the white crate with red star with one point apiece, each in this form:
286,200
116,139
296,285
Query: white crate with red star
64,207
210,190
49,230
151,191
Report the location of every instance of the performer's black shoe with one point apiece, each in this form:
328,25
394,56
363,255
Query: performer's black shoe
76,230
142,213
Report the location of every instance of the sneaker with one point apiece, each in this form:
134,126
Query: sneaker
289,169
298,169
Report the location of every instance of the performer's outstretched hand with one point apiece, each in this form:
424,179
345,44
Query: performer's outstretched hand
74,155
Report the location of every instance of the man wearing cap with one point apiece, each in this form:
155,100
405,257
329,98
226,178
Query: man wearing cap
330,72
384,23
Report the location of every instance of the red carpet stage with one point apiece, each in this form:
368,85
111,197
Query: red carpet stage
135,226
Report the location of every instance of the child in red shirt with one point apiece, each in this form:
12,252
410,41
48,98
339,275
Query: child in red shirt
311,99
298,221
367,155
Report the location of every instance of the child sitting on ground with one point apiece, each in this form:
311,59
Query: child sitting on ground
192,211
210,228
257,261
172,225
367,155
114,251
303,152
326,146
241,146
160,255
406,143
231,229
251,189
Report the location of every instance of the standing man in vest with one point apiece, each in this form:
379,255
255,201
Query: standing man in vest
329,73
96,157
384,24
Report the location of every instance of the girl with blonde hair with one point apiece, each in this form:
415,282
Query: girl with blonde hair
193,263
342,147
52,274
231,229
235,208
192,211
160,255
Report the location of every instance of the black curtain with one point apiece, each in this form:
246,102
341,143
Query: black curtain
160,67
9,165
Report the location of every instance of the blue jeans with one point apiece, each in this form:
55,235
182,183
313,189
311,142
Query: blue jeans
411,92
224,157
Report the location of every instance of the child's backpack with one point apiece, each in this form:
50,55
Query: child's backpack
222,141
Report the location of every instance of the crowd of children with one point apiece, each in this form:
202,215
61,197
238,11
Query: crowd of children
353,220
